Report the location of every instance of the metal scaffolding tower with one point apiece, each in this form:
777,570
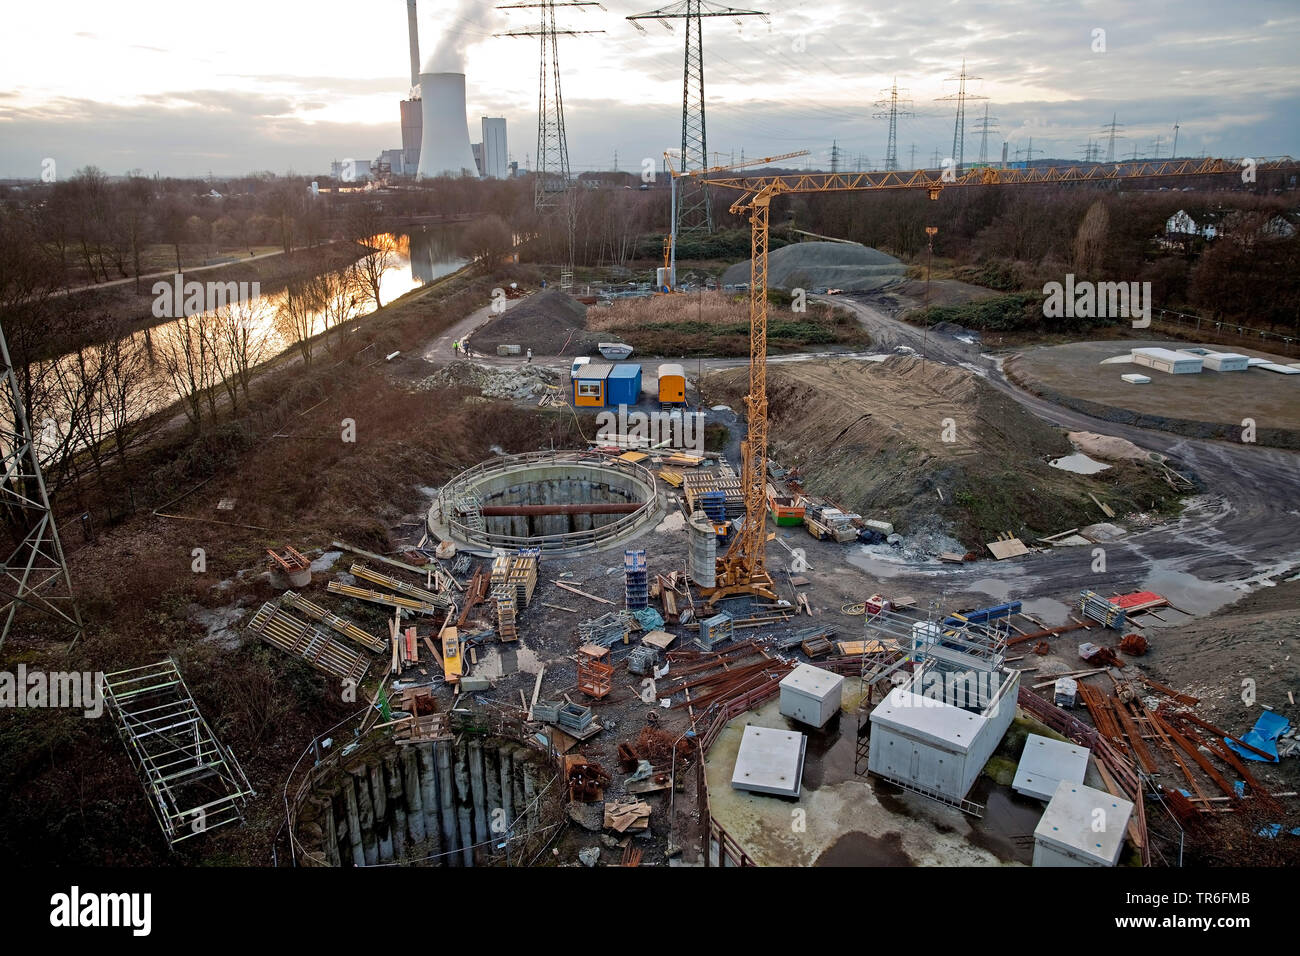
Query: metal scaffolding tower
552,171
35,573
988,124
194,784
959,126
888,107
694,209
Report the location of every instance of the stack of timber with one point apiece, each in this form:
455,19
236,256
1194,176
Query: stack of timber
518,572
401,587
299,638
342,625
696,484
507,627
388,600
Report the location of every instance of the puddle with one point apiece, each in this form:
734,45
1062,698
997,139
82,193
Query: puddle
503,661
1007,827
326,561
862,849
1188,592
994,588
1048,610
1079,464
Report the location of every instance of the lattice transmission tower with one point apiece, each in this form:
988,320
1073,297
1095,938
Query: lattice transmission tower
985,125
552,173
888,108
694,208
35,573
960,98
1113,130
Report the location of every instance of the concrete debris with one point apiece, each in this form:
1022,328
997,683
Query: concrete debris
527,381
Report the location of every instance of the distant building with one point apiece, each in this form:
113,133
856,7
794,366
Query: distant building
496,157
412,130
608,180
1183,225
351,170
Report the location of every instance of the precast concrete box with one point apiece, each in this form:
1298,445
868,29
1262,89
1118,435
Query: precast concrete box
770,761
1045,762
811,695
1081,827
927,744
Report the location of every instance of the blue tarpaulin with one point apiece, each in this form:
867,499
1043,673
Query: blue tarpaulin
1264,736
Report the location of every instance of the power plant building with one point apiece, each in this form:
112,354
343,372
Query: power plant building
444,143
496,157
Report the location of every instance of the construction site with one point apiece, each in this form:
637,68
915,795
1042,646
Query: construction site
750,564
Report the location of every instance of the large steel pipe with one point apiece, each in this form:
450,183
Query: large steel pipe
512,511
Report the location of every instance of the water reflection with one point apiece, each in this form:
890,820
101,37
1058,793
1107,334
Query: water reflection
204,358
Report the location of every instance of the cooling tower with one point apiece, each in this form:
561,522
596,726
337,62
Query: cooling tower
444,140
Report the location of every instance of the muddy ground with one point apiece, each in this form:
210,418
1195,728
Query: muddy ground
934,448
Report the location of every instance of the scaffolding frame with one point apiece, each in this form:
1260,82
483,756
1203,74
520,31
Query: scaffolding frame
193,783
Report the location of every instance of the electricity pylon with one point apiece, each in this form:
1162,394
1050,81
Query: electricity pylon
1113,129
552,175
35,574
959,126
989,124
694,209
888,109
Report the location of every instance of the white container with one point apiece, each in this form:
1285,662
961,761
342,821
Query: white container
1081,827
811,695
1167,360
1226,362
1133,378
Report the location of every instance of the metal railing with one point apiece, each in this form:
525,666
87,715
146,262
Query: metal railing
463,484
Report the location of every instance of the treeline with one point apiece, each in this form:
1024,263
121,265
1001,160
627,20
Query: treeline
1017,238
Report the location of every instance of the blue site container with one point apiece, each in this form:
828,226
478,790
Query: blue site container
623,386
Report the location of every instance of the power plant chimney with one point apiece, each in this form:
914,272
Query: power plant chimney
444,143
413,28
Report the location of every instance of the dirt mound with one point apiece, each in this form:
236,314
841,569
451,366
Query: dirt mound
930,447
823,265
549,323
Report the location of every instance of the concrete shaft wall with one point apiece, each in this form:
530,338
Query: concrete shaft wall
444,803
555,492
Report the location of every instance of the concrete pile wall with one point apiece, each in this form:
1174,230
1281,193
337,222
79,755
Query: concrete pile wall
445,803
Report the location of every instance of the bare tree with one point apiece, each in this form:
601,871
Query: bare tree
364,226
487,241
295,315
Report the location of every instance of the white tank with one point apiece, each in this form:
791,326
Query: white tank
444,139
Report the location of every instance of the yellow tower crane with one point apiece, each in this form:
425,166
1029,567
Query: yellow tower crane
742,570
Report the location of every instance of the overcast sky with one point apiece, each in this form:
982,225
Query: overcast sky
183,88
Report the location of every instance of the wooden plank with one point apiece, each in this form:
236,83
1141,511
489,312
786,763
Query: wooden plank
572,590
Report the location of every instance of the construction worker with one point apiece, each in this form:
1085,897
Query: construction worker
455,347
530,356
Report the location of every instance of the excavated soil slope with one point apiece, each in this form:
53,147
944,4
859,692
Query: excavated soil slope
871,437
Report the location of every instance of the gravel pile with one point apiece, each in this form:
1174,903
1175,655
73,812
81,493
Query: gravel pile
549,323
823,265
